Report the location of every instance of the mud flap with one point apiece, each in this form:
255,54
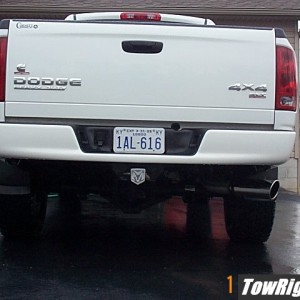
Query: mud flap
13,180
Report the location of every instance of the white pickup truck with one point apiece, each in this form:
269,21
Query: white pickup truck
138,107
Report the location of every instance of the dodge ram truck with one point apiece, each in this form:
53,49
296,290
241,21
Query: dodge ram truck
137,107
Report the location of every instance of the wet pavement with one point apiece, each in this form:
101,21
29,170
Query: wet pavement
92,251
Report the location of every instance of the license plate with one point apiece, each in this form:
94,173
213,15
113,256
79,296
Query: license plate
139,140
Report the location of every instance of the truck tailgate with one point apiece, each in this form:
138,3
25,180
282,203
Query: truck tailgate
80,70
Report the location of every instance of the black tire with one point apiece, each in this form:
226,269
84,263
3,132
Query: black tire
248,220
22,215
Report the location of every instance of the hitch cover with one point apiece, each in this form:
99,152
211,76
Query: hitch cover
138,176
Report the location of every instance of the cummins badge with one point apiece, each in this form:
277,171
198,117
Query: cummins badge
138,176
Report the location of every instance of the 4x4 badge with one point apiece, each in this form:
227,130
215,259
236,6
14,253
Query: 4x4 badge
255,91
138,176
248,87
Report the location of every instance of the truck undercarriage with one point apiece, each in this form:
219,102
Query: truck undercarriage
134,187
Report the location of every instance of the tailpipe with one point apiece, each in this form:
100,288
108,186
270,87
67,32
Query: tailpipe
259,189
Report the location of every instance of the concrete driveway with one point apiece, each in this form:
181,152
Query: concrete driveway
92,251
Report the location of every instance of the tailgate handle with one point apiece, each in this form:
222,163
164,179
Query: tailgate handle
146,47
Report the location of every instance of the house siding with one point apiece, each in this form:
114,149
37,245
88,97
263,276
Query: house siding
288,25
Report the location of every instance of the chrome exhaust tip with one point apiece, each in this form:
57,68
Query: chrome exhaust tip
259,189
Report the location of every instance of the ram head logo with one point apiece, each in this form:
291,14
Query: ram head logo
138,176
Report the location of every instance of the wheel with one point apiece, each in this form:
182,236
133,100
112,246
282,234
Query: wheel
248,220
22,215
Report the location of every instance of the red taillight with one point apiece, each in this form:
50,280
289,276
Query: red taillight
140,16
286,79
3,51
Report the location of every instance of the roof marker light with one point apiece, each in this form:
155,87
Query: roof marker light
140,16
